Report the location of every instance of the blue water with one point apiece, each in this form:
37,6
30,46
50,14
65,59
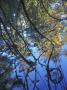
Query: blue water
41,73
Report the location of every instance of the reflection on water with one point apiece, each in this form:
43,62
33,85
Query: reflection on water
16,74
21,76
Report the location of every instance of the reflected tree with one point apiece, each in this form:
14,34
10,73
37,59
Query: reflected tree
26,25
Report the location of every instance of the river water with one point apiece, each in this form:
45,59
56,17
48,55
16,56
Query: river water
41,74
37,79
